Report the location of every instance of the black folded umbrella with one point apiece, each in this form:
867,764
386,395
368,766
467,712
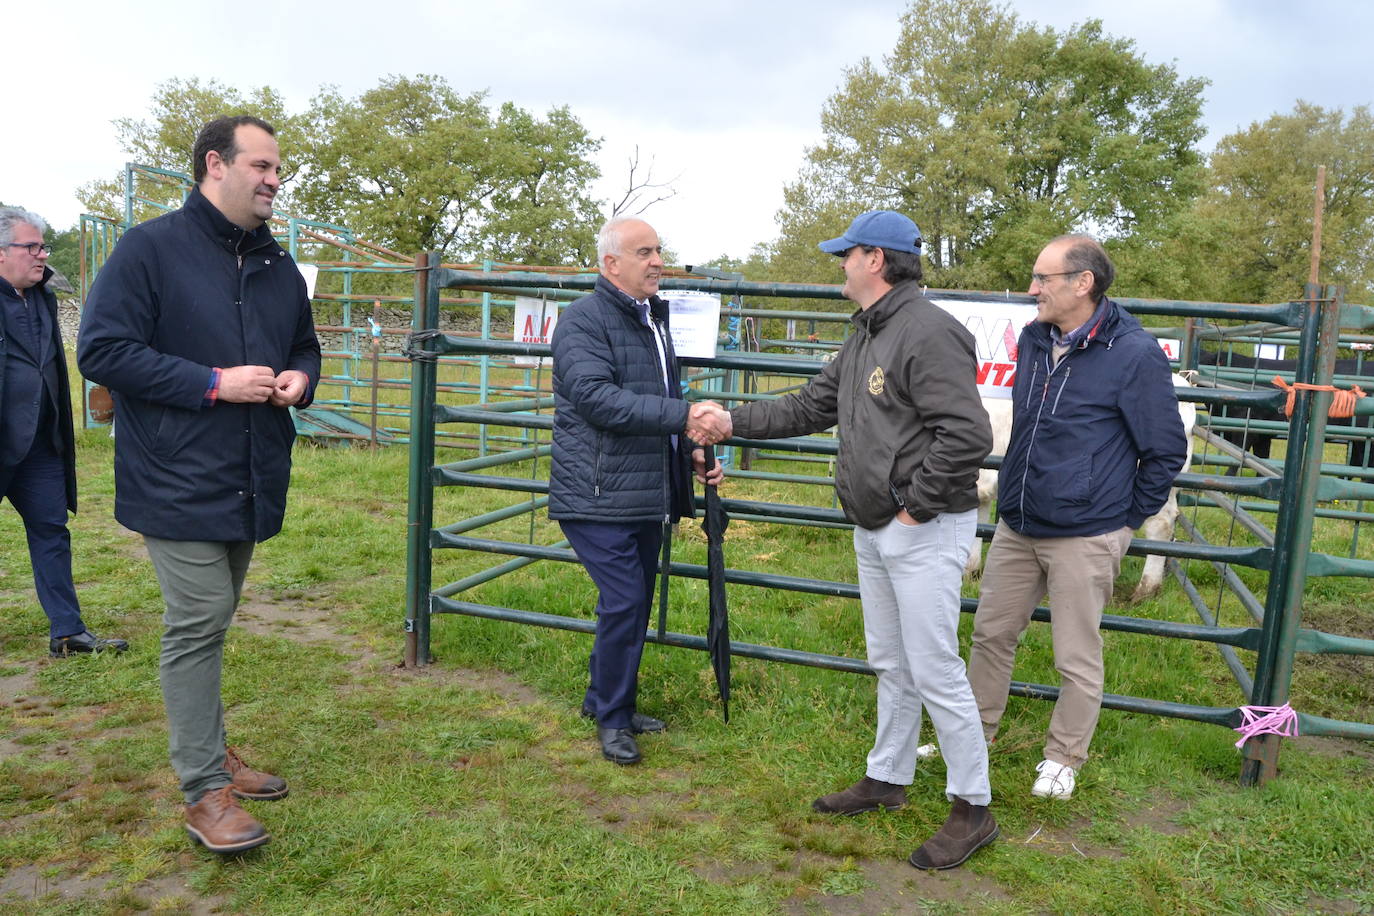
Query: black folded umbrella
718,624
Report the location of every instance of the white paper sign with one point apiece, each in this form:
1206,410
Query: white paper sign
1171,347
310,273
535,320
1270,351
695,322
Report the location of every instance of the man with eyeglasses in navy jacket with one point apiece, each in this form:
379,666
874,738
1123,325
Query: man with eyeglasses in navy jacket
1096,441
37,442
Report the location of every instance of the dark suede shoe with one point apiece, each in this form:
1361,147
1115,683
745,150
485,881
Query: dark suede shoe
865,795
218,823
639,723
618,745
251,783
85,641
967,829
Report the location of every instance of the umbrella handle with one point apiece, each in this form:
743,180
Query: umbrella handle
664,563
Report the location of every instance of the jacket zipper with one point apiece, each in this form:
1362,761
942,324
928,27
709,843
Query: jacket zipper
1039,412
596,469
858,387
250,508
1068,370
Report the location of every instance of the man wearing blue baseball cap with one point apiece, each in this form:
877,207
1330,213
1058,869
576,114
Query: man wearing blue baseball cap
878,229
913,434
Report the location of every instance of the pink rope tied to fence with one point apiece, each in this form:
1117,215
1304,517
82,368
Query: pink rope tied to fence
1267,720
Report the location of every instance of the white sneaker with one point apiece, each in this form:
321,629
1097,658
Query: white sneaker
1055,780
927,752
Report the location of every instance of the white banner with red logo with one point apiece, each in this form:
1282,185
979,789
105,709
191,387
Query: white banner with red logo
995,327
535,320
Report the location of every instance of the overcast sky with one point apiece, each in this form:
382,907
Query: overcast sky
725,95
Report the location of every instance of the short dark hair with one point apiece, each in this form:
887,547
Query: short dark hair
218,135
899,265
1086,253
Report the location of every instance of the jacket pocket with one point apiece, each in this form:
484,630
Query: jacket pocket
1059,492
170,431
596,466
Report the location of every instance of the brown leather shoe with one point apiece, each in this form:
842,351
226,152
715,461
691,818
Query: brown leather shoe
218,823
250,783
865,795
967,829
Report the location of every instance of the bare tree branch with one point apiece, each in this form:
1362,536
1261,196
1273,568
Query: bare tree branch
632,202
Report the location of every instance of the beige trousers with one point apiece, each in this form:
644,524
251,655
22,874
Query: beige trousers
1077,573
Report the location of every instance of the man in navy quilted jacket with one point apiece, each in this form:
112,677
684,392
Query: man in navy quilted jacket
622,457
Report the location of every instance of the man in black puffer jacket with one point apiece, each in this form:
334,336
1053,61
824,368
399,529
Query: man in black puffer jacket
622,462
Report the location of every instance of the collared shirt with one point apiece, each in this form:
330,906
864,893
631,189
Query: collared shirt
1083,332
22,317
657,328
646,318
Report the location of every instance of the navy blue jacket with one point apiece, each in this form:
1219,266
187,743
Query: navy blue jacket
613,458
180,295
1096,441
20,405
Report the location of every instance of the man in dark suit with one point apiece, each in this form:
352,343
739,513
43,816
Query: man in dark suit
37,445
622,462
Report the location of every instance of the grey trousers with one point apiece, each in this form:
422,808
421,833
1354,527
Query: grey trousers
909,578
1077,573
201,582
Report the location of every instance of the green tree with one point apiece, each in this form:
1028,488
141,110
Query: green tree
543,214
66,253
994,136
1250,235
165,141
414,165
410,164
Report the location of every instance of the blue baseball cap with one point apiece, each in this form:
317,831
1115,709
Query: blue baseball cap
877,229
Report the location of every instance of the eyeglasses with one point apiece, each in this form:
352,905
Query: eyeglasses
1041,278
33,248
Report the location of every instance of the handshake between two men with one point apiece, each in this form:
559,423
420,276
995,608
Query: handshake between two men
708,423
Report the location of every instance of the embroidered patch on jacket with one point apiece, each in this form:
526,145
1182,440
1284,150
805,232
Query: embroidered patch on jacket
875,381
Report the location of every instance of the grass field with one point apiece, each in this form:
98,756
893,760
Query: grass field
473,786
